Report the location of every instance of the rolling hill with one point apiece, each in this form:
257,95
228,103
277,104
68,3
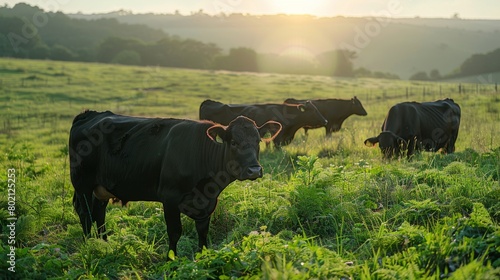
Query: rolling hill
402,46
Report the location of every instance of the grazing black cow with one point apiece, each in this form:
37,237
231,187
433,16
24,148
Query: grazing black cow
336,111
412,126
183,164
291,116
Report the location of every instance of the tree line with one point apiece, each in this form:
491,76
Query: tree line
29,32
477,64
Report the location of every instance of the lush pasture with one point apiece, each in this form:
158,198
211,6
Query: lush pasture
325,209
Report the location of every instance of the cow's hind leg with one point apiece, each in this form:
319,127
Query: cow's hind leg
450,146
82,202
99,215
328,131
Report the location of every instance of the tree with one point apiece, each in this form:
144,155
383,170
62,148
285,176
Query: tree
434,74
5,48
177,52
18,38
59,52
86,54
127,57
481,63
40,51
419,76
113,45
239,59
362,72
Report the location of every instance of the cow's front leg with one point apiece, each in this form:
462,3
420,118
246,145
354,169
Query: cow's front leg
202,229
174,226
410,147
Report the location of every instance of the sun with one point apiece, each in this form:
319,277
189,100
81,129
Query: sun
296,7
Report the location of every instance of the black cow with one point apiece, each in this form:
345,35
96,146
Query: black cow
183,164
336,111
291,116
413,126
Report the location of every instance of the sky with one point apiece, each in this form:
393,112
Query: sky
469,9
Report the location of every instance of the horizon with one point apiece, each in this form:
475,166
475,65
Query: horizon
444,9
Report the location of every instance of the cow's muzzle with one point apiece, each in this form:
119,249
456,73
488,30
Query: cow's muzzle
251,173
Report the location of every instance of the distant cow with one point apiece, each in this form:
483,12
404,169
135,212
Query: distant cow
183,164
336,111
412,126
291,116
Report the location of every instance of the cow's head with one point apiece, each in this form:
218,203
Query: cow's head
241,139
310,113
390,144
357,107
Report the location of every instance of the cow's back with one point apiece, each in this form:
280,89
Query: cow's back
439,120
225,113
402,120
333,109
121,153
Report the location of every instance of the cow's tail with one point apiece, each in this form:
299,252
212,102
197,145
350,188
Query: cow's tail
81,209
76,204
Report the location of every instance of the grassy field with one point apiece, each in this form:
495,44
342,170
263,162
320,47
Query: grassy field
325,208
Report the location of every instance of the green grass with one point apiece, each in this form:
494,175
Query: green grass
325,208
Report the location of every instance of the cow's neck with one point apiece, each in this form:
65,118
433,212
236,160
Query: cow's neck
214,165
345,110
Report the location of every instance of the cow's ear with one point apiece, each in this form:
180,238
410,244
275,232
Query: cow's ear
269,130
370,142
217,133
